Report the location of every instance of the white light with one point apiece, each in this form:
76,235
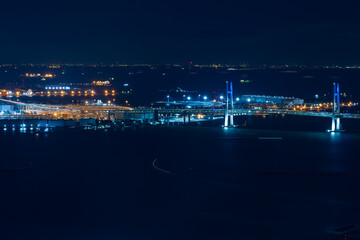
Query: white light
188,98
221,97
237,99
167,96
205,97
249,100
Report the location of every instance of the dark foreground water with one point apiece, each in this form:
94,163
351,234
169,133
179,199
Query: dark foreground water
207,183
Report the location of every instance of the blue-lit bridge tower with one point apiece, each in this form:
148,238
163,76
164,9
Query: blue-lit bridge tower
336,125
229,113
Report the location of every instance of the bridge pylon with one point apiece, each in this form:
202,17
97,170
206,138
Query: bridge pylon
336,116
229,112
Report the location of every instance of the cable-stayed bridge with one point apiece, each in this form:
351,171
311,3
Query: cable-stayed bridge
105,112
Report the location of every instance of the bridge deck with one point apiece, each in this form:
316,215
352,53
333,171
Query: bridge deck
46,111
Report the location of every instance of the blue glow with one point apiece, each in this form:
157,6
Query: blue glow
221,97
189,98
237,99
205,97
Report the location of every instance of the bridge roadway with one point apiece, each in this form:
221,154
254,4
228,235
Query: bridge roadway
45,111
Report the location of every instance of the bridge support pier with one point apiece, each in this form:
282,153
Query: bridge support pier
335,123
229,113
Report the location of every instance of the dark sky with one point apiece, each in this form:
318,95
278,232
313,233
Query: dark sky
145,31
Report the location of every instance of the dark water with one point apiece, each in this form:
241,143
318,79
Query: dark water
207,183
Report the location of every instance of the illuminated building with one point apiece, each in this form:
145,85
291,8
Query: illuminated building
262,99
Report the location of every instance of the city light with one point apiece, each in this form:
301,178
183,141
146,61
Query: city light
205,97
189,98
221,97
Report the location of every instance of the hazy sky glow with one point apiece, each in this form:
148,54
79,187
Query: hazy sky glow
307,32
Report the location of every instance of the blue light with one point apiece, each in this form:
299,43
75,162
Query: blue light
205,97
249,100
189,98
237,99
221,97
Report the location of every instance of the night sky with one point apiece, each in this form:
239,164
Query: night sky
203,32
